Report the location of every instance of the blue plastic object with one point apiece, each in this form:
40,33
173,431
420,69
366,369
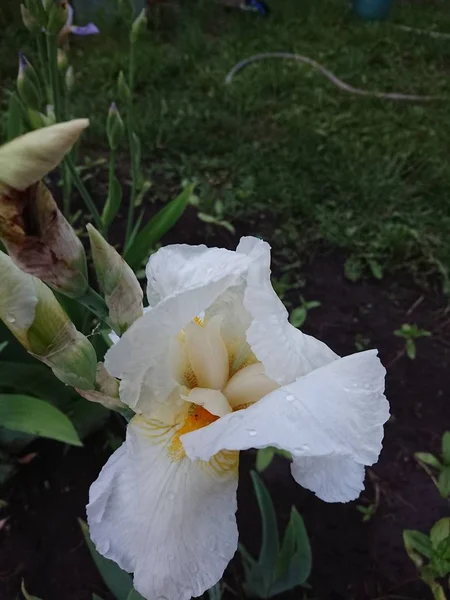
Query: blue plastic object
372,10
258,6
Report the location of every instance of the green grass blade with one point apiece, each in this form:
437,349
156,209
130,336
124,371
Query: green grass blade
164,220
14,121
446,448
270,541
36,417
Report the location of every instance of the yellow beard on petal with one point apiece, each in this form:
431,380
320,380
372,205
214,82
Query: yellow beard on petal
197,418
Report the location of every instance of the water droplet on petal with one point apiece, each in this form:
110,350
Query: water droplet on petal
303,448
194,569
171,495
367,386
251,432
211,544
289,397
161,598
11,318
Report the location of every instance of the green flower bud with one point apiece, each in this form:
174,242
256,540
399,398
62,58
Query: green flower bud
69,79
114,127
28,85
139,24
37,11
49,118
106,390
123,90
29,20
28,158
41,241
123,294
63,61
36,119
57,16
33,315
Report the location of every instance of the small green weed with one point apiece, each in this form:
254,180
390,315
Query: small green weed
431,464
410,333
299,314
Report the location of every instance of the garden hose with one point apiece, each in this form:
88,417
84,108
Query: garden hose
342,85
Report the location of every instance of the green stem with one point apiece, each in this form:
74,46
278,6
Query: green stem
83,191
43,61
131,70
130,217
52,53
67,189
106,208
95,303
66,176
112,167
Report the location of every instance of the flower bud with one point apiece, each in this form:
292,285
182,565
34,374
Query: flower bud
41,241
123,294
63,61
69,79
123,90
114,127
34,316
106,390
36,119
49,118
28,85
58,13
36,9
28,158
29,20
126,10
138,26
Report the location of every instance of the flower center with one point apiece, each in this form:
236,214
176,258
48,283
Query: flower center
216,378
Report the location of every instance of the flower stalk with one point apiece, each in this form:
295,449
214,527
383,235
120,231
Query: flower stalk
133,141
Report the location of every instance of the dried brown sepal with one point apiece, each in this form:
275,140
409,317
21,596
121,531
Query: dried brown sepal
40,240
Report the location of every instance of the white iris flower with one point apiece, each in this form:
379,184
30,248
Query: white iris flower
212,368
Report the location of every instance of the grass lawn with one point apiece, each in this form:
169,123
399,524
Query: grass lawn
281,143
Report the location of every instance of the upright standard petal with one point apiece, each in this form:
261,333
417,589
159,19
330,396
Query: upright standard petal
179,268
285,352
143,357
170,521
334,413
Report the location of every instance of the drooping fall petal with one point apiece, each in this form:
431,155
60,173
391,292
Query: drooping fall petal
171,522
335,412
